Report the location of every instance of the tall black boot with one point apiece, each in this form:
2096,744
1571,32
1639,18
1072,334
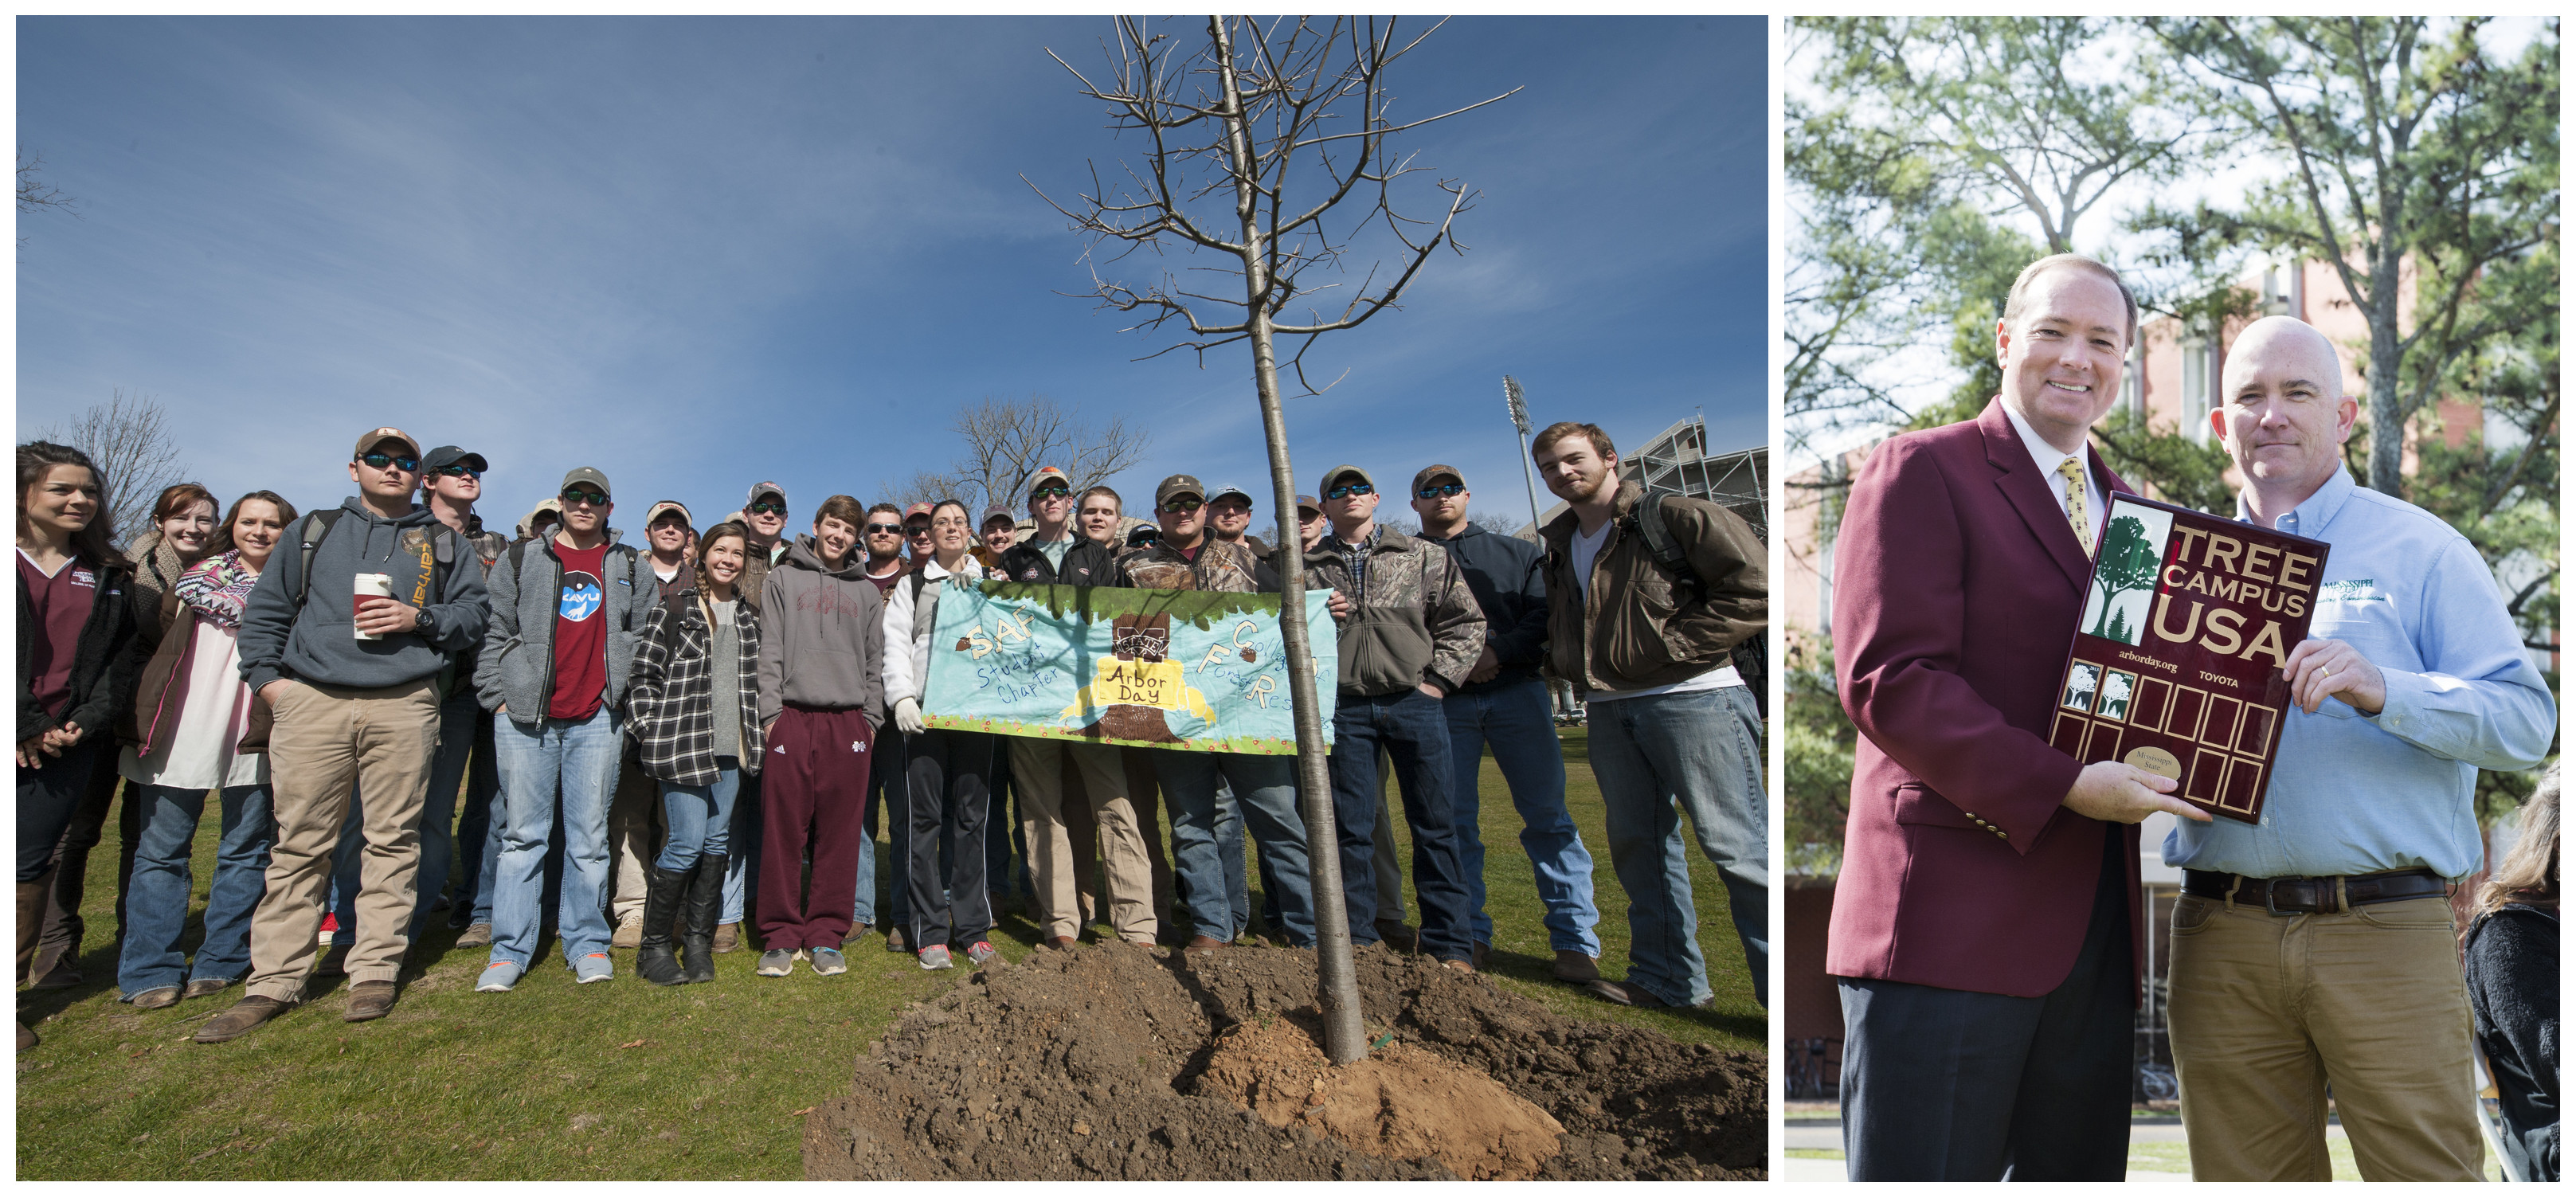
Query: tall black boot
698,911
653,960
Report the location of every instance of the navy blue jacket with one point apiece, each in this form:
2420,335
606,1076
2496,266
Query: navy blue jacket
1503,572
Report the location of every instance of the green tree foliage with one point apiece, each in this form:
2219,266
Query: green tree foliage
1816,790
2416,160
2127,563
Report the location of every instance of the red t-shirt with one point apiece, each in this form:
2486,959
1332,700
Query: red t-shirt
62,605
885,585
581,634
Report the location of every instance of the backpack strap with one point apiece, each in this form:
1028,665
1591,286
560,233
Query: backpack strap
317,525
1667,551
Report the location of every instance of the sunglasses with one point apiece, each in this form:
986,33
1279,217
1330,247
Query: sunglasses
766,508
916,530
1050,492
591,498
381,460
1182,507
457,472
1440,490
1347,490
877,529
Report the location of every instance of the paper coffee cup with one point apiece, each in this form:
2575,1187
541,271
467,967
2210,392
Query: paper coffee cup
370,586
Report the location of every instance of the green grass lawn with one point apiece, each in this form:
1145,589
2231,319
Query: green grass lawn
618,1080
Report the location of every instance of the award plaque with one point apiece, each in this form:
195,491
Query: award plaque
2176,666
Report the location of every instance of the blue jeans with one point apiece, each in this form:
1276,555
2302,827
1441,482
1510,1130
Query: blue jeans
1414,730
1513,718
1702,750
156,901
1265,792
698,817
582,756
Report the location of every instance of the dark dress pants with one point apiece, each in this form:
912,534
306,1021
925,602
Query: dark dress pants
1955,1085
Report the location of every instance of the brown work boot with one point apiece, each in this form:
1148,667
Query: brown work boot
1059,943
203,987
1625,994
1477,958
369,1000
728,937
1461,966
54,969
252,1011
630,931
31,920
156,998
26,1038
1203,946
1573,966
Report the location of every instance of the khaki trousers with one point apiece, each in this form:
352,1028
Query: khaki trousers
325,739
1035,769
2270,1010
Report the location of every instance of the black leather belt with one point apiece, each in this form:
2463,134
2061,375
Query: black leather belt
2291,896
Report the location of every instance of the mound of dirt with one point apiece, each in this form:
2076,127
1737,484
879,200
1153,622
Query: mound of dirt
1109,1062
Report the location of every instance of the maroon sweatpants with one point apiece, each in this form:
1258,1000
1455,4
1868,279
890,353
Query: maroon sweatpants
813,787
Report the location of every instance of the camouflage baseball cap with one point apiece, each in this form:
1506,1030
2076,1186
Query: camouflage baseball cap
1178,484
1335,474
1436,471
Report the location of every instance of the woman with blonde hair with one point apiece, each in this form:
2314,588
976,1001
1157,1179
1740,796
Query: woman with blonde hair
196,726
694,703
2512,956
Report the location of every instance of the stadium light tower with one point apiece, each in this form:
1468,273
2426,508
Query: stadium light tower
1520,420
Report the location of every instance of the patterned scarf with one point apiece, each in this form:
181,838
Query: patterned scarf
218,587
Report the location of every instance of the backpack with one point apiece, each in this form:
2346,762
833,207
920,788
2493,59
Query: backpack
318,525
1752,656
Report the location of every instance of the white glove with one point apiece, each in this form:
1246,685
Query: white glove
907,716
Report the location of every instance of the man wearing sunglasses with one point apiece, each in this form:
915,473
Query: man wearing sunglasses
567,613
881,539
1505,706
1215,795
1054,555
764,521
1410,632
351,678
451,480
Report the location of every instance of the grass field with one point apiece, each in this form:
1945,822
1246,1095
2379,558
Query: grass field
618,1080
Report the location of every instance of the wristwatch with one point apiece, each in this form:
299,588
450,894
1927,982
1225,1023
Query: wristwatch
420,619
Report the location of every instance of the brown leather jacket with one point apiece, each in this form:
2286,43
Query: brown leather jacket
167,631
1631,627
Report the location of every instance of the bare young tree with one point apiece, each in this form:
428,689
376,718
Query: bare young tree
129,438
1268,158
35,195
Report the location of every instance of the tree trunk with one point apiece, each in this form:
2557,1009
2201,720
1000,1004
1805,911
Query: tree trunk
1337,981
2387,422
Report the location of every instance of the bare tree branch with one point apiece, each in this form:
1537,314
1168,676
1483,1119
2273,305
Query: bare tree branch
129,437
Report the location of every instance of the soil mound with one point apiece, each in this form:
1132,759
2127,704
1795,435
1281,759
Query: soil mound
1109,1062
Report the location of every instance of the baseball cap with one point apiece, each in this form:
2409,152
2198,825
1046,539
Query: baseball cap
765,488
669,505
1178,484
918,509
999,512
448,455
1333,475
1435,471
1306,504
1050,472
584,474
1238,492
375,437
1144,534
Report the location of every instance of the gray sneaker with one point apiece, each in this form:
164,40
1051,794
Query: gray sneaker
593,967
828,961
936,957
498,978
776,963
980,952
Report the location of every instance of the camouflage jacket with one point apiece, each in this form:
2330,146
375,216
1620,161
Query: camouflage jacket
1412,619
1219,567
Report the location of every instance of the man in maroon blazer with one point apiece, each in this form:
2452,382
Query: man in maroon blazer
1981,929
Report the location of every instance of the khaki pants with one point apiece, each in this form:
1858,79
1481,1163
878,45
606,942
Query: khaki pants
1035,767
634,836
2270,1010
325,738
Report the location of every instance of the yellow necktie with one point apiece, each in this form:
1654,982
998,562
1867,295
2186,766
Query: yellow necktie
2075,513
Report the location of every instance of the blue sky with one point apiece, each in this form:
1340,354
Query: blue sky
699,253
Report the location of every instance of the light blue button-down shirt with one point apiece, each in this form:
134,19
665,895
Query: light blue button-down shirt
2356,794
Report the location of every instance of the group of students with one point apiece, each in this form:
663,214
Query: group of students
768,691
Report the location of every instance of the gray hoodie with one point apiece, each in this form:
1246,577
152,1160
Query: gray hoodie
320,643
822,635
516,671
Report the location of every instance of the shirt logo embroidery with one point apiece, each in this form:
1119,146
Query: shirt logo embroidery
856,747
83,578
2353,590
581,597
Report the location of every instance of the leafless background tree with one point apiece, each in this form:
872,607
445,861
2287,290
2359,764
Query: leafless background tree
1268,161
35,195
1008,441
129,438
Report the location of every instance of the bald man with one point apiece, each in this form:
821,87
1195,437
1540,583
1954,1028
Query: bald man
2316,949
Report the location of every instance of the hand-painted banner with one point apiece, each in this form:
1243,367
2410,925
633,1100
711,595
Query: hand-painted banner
1171,669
